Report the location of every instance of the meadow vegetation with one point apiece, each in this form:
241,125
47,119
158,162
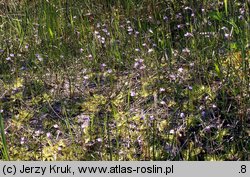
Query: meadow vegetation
124,80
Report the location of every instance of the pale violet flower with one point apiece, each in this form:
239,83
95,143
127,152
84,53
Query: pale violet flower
22,140
150,50
203,114
105,30
190,87
163,102
136,64
38,132
172,131
56,126
151,117
39,57
142,67
130,29
162,89
188,34
140,60
180,70
48,135
227,35
85,77
110,71
132,93
99,140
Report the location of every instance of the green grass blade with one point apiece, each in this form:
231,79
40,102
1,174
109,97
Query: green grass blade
5,149
225,4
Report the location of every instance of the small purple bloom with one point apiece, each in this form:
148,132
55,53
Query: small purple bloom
188,34
203,114
172,131
142,117
136,64
207,129
130,29
180,70
151,118
227,35
150,50
162,89
105,30
99,140
190,87
140,60
142,67
109,71
48,135
22,140
162,102
165,18
56,126
132,93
